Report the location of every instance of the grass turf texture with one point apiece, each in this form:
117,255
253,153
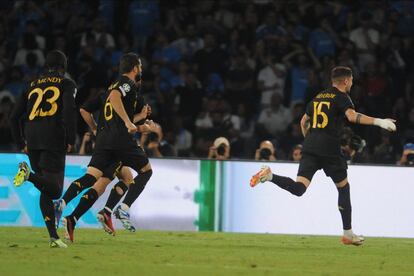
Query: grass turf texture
25,251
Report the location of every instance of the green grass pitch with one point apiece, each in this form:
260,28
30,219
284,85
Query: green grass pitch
25,251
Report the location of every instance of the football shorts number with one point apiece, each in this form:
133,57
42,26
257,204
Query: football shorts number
108,110
40,96
317,111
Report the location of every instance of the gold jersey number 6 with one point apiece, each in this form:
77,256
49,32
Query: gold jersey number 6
39,112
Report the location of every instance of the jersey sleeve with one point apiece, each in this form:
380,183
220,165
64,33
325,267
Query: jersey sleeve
345,102
69,110
124,88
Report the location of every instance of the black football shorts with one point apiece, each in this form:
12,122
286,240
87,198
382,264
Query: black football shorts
334,166
105,159
49,160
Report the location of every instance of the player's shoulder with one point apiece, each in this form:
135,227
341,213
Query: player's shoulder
68,80
122,84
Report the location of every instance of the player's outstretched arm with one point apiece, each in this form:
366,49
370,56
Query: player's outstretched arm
305,124
116,102
359,118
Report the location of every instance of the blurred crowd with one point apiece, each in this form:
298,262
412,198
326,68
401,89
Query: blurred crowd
239,70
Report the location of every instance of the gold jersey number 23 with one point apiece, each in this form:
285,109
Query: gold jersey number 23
317,112
40,96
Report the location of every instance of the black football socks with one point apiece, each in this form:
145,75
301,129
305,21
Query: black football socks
137,187
286,183
85,203
344,206
48,213
78,186
115,196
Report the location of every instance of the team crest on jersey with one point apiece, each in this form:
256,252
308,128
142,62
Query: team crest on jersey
126,87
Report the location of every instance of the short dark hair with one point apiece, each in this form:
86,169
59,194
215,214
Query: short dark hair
56,60
128,62
340,72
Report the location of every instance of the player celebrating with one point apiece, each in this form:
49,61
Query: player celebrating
321,126
47,110
115,142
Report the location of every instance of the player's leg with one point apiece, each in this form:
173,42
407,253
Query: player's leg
345,208
105,215
48,177
336,168
80,184
307,168
46,206
118,191
41,161
138,161
89,198
99,162
75,188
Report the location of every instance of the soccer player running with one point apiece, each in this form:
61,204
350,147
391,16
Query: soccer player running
115,142
93,174
47,112
321,125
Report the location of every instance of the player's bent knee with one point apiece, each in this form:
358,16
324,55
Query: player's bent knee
125,175
94,172
101,184
342,183
143,177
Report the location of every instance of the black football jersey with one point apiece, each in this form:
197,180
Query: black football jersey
327,115
48,113
113,133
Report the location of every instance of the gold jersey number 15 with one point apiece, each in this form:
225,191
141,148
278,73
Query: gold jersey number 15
317,112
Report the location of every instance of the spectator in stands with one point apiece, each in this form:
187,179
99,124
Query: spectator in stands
220,150
210,59
407,157
6,107
265,152
155,145
183,138
239,81
366,40
274,119
189,44
296,153
271,79
29,46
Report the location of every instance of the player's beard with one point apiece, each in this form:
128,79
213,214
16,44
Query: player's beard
138,77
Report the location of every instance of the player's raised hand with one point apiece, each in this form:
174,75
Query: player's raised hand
132,128
387,124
